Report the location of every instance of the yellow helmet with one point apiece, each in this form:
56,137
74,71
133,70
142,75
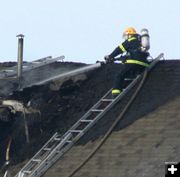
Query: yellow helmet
130,31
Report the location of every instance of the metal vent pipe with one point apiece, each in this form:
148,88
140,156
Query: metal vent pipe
20,55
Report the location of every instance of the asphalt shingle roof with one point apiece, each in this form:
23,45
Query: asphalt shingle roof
148,135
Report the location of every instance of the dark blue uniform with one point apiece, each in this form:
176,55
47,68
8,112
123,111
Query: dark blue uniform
134,63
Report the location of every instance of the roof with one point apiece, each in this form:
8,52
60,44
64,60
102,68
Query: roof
144,139
147,136
33,73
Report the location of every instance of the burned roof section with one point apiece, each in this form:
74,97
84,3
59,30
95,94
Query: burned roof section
147,136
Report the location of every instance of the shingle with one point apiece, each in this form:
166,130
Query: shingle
146,137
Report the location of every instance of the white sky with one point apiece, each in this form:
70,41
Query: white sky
85,30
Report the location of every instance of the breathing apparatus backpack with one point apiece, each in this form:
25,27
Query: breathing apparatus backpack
145,40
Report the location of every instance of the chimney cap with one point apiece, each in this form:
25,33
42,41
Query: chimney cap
20,35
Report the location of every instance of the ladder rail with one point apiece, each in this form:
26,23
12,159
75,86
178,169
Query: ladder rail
53,152
78,136
124,91
73,134
24,168
29,66
109,106
13,70
88,113
36,64
53,158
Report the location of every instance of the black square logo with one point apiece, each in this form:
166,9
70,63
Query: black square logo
172,169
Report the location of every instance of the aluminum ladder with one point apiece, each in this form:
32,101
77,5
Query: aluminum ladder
27,66
58,144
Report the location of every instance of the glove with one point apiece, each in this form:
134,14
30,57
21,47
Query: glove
108,59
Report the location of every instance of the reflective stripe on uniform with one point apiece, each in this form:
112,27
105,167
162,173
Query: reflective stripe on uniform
122,48
131,39
137,62
116,91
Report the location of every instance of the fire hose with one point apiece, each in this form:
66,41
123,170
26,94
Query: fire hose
120,117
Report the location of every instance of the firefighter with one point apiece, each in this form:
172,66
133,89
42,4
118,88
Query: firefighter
134,62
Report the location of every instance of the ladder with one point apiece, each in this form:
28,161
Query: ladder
57,145
27,66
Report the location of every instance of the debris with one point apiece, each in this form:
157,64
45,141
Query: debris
16,106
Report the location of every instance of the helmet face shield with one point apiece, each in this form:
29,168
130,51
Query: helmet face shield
125,36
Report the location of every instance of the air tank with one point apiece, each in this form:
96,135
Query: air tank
145,40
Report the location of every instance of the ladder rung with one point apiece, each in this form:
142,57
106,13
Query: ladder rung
69,141
129,79
97,110
57,139
75,131
36,160
28,172
9,70
107,99
47,149
84,120
36,62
